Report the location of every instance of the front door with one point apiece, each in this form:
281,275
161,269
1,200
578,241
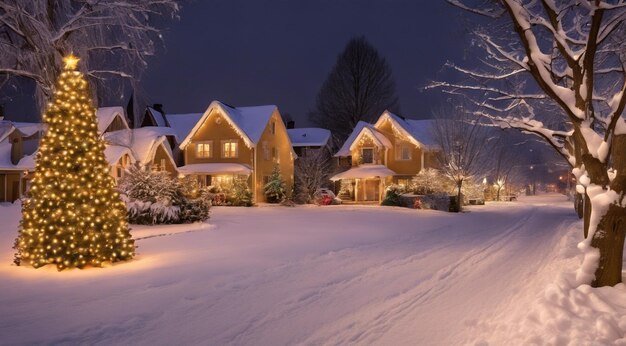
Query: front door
371,189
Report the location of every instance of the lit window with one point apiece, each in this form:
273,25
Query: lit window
229,149
403,152
367,155
203,149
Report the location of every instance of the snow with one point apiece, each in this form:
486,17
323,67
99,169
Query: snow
113,153
330,275
308,137
215,168
146,141
182,124
106,115
364,171
158,117
28,129
419,130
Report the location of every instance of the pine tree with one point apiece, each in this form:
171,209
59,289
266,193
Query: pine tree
73,216
275,189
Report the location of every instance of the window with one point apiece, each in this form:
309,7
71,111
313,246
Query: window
204,149
403,151
367,155
162,164
274,154
266,151
273,127
230,149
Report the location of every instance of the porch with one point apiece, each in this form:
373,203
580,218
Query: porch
364,184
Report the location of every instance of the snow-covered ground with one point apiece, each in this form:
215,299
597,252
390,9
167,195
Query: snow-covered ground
325,275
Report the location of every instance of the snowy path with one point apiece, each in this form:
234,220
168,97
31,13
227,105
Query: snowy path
308,275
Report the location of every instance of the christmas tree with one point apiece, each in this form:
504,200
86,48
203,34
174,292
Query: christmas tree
73,217
275,189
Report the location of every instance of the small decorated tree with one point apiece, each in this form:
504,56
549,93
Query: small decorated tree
73,216
275,189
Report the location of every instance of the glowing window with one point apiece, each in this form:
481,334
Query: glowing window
203,150
230,149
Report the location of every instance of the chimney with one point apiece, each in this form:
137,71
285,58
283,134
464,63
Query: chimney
158,107
291,124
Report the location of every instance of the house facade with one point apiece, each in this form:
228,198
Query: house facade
391,151
18,143
228,143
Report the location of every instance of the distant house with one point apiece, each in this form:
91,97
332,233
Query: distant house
308,140
390,151
225,143
155,116
18,143
150,146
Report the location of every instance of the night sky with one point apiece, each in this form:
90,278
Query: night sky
253,52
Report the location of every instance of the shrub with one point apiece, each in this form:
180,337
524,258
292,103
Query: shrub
153,197
240,194
392,196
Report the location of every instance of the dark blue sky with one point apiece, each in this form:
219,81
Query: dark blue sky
249,52
253,52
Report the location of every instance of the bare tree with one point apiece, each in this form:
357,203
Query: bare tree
359,87
570,55
461,140
503,158
311,173
112,38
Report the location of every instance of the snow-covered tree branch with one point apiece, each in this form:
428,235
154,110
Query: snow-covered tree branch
567,57
111,37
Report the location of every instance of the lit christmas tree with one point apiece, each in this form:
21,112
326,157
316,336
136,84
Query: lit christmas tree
73,216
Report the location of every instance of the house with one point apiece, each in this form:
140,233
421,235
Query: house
309,140
150,146
226,143
390,151
18,143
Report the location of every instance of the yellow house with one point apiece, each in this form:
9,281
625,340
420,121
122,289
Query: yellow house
227,143
392,150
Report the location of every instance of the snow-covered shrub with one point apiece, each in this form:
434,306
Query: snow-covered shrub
275,190
393,195
153,197
429,181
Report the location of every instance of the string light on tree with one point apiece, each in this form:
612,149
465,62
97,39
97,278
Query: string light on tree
73,217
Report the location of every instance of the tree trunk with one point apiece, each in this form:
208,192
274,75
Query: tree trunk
458,197
609,235
609,239
578,204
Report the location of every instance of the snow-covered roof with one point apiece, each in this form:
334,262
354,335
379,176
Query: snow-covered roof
159,118
249,122
380,140
26,163
364,171
182,124
146,141
216,168
418,131
345,148
113,153
309,137
106,115
29,129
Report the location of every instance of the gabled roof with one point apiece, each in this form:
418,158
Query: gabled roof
308,137
417,131
182,124
248,122
362,129
114,153
159,118
106,115
147,140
